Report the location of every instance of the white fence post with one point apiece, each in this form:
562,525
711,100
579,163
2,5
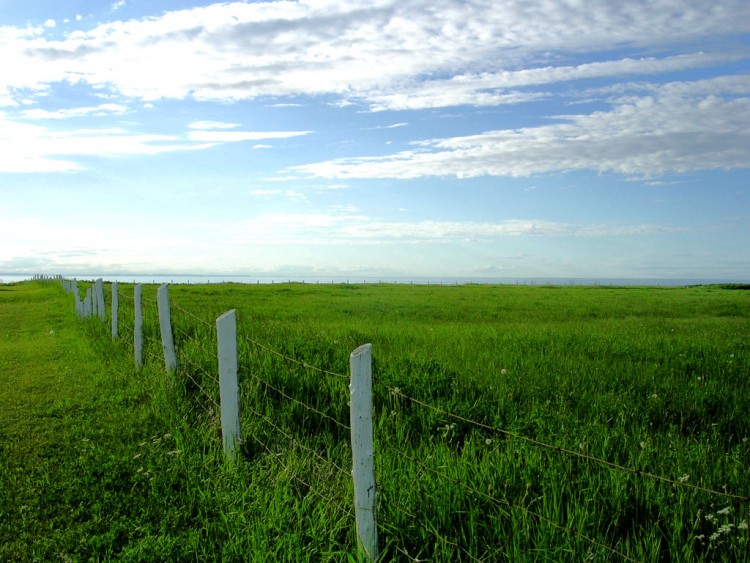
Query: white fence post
87,304
115,312
363,471
99,289
77,298
229,391
165,324
94,301
138,325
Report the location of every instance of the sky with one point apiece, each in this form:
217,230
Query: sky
498,139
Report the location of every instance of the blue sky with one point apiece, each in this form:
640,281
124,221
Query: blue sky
384,138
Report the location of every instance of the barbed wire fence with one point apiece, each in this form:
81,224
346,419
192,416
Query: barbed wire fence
288,393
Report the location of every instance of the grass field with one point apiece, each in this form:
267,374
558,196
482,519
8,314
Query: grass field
103,461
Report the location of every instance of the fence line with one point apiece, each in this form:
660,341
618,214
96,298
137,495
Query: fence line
193,315
294,361
95,306
508,504
297,442
301,403
397,392
293,475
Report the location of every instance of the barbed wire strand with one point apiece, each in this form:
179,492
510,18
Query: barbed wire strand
193,315
188,338
301,403
186,360
294,361
292,474
415,559
154,355
560,449
505,503
205,394
297,442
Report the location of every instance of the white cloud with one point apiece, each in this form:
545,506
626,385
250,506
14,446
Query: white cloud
37,149
204,125
236,136
647,136
349,228
26,147
100,110
291,195
393,126
50,23
497,88
377,53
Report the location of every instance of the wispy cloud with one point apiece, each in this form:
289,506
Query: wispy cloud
208,125
348,227
96,111
376,54
31,148
236,136
645,136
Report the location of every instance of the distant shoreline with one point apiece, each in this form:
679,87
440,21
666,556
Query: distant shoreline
405,280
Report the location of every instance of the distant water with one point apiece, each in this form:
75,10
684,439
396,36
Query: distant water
532,281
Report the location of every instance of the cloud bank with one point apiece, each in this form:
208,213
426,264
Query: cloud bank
387,55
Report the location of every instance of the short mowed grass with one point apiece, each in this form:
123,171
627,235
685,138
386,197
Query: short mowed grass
99,460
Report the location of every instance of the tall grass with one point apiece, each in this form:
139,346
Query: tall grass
652,379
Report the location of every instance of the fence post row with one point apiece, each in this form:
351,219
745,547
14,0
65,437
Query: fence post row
138,325
360,389
363,471
165,324
229,392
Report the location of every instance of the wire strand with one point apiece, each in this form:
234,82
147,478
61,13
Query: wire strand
294,361
505,503
560,449
297,442
301,403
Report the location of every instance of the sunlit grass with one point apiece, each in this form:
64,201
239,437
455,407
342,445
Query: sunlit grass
655,380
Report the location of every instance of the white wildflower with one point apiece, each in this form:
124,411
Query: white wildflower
724,511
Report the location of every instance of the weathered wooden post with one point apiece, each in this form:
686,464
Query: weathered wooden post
363,471
99,289
165,325
138,325
77,298
229,391
115,312
94,301
87,304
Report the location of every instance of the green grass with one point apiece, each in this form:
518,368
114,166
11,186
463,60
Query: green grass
104,461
